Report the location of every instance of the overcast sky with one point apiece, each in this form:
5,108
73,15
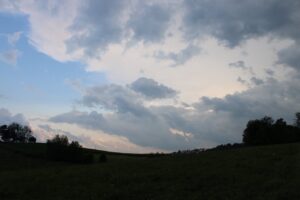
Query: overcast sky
147,76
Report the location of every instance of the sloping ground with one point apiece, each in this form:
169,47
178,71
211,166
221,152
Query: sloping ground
269,172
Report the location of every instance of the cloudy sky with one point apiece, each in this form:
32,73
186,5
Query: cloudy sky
147,76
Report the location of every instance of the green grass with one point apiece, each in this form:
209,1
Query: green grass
266,172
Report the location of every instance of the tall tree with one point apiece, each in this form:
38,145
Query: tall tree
16,133
297,120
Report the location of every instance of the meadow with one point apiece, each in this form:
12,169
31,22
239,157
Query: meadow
261,172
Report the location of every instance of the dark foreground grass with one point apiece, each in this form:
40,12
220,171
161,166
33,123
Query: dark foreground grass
270,172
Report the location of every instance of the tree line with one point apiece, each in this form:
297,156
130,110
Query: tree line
269,131
262,131
58,148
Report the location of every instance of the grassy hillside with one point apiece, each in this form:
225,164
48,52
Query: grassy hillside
269,172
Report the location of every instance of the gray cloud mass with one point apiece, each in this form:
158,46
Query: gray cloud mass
234,21
290,56
98,25
208,122
149,23
152,89
231,22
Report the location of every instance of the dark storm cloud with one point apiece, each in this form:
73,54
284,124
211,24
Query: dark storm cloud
152,89
149,22
234,21
290,56
231,22
275,98
98,25
101,23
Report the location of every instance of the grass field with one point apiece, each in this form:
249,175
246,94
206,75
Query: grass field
266,172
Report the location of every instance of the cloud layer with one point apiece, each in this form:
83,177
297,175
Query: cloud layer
93,26
233,22
130,40
208,122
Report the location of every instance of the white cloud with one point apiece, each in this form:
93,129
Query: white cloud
49,26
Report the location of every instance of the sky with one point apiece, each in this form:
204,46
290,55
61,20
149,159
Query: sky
148,76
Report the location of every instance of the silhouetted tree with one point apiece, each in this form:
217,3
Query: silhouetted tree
265,131
60,149
297,120
75,144
258,131
59,140
16,133
32,139
3,131
57,147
